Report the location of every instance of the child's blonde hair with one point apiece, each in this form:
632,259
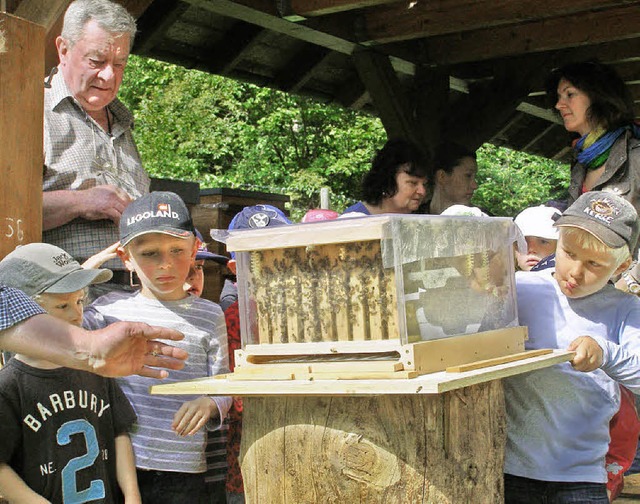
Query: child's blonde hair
38,297
587,240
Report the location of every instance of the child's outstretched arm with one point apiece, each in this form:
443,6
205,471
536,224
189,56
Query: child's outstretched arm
588,355
97,260
126,470
193,415
15,490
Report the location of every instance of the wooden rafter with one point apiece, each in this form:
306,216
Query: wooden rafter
427,19
312,8
301,69
551,34
532,143
50,15
488,107
153,24
136,7
431,91
353,94
261,13
240,39
387,94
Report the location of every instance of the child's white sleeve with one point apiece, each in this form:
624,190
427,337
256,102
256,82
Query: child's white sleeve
622,361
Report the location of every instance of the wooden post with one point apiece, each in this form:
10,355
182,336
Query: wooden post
445,448
21,111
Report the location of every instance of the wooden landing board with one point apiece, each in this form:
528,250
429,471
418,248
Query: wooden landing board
434,383
346,370
320,375
498,360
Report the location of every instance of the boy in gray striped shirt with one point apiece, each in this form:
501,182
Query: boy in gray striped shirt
157,242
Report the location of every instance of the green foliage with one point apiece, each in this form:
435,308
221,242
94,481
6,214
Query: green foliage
221,133
194,126
509,181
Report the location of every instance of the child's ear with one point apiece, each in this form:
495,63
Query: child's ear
123,254
623,267
196,244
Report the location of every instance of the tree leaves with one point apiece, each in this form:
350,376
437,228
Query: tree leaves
194,126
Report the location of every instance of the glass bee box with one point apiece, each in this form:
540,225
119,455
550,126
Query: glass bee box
367,280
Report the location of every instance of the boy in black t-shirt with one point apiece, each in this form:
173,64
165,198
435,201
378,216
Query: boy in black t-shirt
65,432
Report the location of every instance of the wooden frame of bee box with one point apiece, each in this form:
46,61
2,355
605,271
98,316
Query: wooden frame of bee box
345,297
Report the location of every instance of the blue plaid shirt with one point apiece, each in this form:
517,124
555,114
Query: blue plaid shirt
16,306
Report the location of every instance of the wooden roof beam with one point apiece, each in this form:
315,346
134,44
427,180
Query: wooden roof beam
488,107
404,21
49,14
238,40
297,10
262,13
387,94
531,143
299,71
353,94
153,24
136,7
589,28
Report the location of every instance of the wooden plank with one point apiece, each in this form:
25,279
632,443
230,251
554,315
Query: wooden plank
434,383
498,360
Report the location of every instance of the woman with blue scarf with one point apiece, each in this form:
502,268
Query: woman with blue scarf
595,103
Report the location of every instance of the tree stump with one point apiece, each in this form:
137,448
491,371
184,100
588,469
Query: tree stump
446,448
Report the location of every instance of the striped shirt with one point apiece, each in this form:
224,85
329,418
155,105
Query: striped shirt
16,307
79,154
156,446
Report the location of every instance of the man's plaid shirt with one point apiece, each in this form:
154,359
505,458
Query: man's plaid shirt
79,154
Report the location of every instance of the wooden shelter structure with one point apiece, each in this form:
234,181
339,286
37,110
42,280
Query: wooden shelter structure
472,70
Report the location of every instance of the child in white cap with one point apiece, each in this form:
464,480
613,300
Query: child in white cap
536,224
65,432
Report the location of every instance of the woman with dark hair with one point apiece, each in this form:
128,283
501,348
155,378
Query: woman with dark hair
595,103
396,181
454,179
